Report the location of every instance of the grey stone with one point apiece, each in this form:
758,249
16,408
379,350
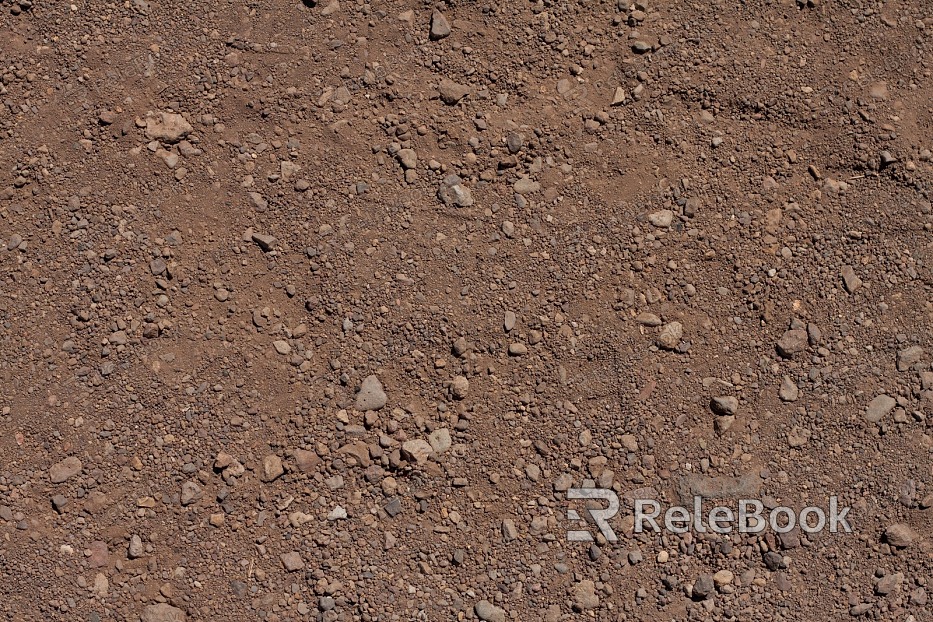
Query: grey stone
161,612
703,587
190,493
879,407
371,395
726,405
440,27
789,391
909,357
487,612
850,279
792,342
65,470
900,535
440,440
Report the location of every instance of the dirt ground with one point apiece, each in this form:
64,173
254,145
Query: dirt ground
317,311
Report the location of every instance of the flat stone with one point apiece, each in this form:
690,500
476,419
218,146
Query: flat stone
487,612
371,395
451,92
282,347
65,470
648,319
271,469
900,535
167,127
307,461
292,562
525,185
265,242
908,357
789,391
440,440
585,596
161,612
850,280
792,342
416,451
879,407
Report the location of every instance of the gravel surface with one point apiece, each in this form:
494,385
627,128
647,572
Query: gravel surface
318,310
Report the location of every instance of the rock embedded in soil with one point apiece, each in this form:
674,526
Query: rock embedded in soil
162,612
879,407
487,612
792,342
440,27
371,395
725,405
670,335
65,470
900,535
167,127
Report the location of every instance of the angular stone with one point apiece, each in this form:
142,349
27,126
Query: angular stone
161,612
900,535
266,242
909,357
585,596
487,612
440,27
888,583
725,405
416,451
307,461
661,219
703,587
292,561
407,158
451,92
271,468
792,342
850,279
167,127
789,391
371,395
879,407
455,194
670,335
190,492
65,470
